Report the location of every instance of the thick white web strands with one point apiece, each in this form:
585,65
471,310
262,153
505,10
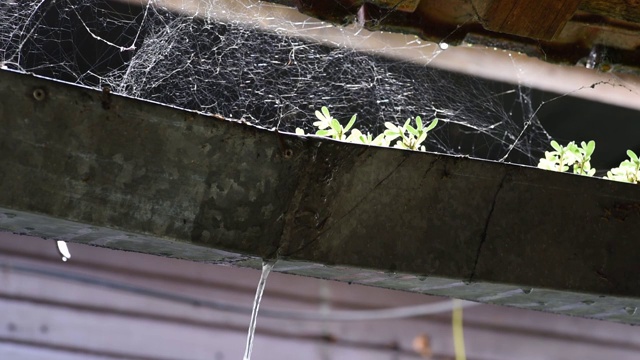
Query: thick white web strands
262,76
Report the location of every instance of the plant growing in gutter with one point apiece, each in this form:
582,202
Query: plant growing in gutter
574,157
406,136
577,158
562,158
410,137
628,171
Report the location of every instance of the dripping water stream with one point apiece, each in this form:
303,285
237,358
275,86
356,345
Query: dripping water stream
63,250
266,269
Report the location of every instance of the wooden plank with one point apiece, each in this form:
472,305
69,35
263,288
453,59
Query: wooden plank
314,202
29,351
144,339
537,19
199,279
628,10
525,335
399,5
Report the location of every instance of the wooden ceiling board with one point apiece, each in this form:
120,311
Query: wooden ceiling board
562,32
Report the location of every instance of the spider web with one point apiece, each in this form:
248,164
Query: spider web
259,63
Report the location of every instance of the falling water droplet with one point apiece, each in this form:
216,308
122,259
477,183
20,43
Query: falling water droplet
63,250
631,310
596,56
443,45
266,269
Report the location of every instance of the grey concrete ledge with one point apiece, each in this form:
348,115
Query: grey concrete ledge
91,167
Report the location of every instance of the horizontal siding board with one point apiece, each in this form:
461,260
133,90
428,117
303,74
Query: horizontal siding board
83,312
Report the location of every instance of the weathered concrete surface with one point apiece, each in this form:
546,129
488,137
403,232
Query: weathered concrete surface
91,167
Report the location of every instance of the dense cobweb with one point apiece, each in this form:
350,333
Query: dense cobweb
210,59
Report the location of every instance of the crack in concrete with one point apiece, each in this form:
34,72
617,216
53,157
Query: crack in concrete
486,227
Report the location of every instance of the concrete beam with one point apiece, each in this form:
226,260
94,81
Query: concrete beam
91,167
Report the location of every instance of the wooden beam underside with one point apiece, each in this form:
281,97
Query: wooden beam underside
100,169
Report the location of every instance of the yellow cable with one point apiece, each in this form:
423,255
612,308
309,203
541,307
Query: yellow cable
458,335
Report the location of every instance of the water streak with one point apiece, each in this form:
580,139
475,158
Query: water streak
266,269
63,249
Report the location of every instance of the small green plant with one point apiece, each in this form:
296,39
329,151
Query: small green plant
571,156
628,171
578,158
410,137
406,136
330,126
367,139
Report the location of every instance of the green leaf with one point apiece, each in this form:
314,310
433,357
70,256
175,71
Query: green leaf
402,134
419,122
391,126
321,124
433,124
591,147
556,146
324,132
548,165
550,156
350,124
422,138
407,123
412,130
355,136
632,156
325,111
400,145
379,140
335,125
321,117
299,131
391,134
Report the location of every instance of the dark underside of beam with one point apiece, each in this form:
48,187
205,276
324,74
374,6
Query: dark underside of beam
91,167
